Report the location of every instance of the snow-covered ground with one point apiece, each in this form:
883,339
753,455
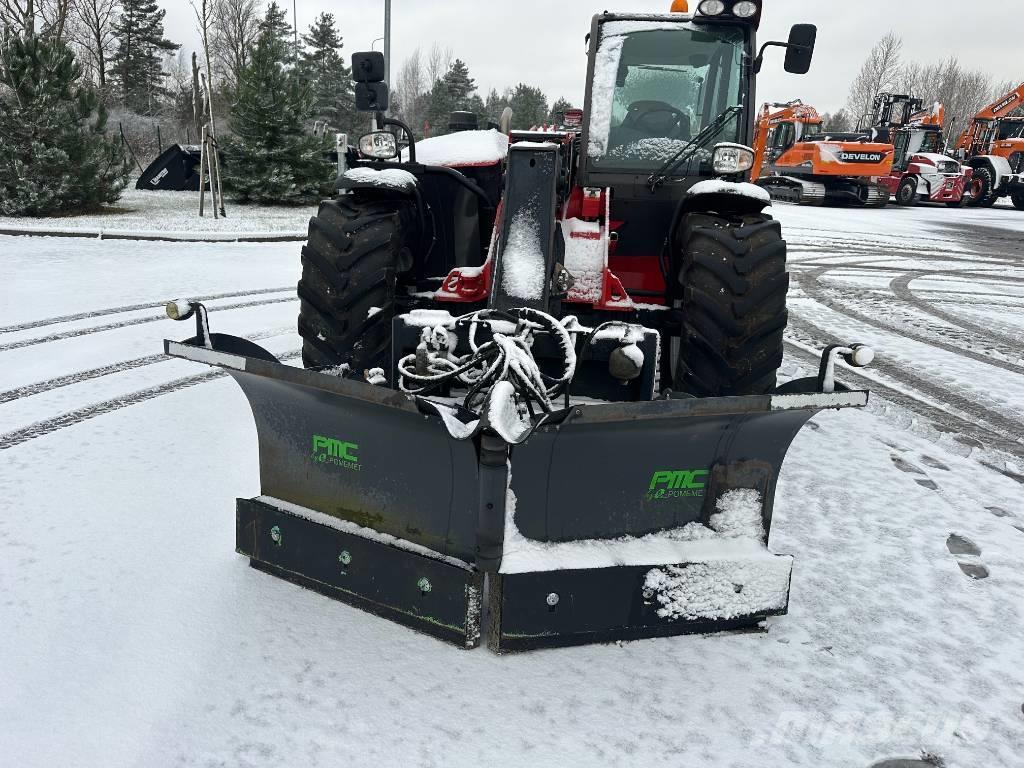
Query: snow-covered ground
173,214
132,635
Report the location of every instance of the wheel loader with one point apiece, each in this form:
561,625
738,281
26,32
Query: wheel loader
539,400
797,161
993,145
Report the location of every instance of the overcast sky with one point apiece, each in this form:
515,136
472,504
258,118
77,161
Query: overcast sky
540,42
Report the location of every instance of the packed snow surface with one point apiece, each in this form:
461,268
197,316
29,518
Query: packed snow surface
735,533
146,213
722,589
133,635
522,261
462,149
396,178
586,253
720,187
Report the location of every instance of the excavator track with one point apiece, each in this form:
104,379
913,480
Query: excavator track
789,189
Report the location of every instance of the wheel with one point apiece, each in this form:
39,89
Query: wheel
357,247
734,279
982,186
906,193
1018,200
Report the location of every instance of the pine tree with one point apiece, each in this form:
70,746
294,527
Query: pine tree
271,158
558,110
529,105
57,157
496,103
137,66
278,31
451,93
324,68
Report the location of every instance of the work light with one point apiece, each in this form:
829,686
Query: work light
745,9
712,7
380,145
729,159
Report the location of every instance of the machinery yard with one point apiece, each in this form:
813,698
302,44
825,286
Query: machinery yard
135,635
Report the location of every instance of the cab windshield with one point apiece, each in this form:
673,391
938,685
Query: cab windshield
656,86
1011,129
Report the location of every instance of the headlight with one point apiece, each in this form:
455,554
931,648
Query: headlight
745,9
712,7
379,145
732,158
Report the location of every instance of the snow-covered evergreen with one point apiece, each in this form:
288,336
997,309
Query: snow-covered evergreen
323,66
56,157
271,158
137,64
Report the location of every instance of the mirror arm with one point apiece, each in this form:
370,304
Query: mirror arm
759,61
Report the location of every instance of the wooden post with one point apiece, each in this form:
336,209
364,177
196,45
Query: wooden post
211,154
202,173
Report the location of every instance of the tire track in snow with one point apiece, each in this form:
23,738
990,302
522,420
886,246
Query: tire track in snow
1011,239
133,308
135,321
77,416
900,286
980,277
48,385
997,431
809,281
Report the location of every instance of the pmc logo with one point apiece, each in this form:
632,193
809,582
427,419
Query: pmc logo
678,484
326,450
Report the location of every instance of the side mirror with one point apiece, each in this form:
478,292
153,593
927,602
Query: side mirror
368,67
372,97
800,49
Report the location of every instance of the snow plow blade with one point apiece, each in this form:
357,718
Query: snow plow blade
612,521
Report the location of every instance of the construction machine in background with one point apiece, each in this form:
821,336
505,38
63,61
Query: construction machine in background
993,146
921,172
539,399
797,161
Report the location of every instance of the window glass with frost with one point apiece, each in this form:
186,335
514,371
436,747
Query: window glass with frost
656,86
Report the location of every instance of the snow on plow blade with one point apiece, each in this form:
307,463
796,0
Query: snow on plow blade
612,521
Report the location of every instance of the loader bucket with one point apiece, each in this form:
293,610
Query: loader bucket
612,521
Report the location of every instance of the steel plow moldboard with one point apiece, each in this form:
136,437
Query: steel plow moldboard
368,498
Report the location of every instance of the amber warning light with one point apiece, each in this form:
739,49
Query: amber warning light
680,6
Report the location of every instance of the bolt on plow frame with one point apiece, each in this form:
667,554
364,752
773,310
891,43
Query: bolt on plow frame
539,401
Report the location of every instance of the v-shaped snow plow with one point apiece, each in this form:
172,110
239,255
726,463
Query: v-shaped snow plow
608,521
540,396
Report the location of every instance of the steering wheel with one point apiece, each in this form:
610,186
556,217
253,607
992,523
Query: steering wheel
641,116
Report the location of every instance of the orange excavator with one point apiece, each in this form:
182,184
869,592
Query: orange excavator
797,162
993,145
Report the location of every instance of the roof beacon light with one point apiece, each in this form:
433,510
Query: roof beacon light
745,9
712,7
680,6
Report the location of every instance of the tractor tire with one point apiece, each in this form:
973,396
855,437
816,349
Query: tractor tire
1018,200
358,246
734,279
982,188
906,194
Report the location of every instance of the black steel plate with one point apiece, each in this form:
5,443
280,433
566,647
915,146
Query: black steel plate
380,578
